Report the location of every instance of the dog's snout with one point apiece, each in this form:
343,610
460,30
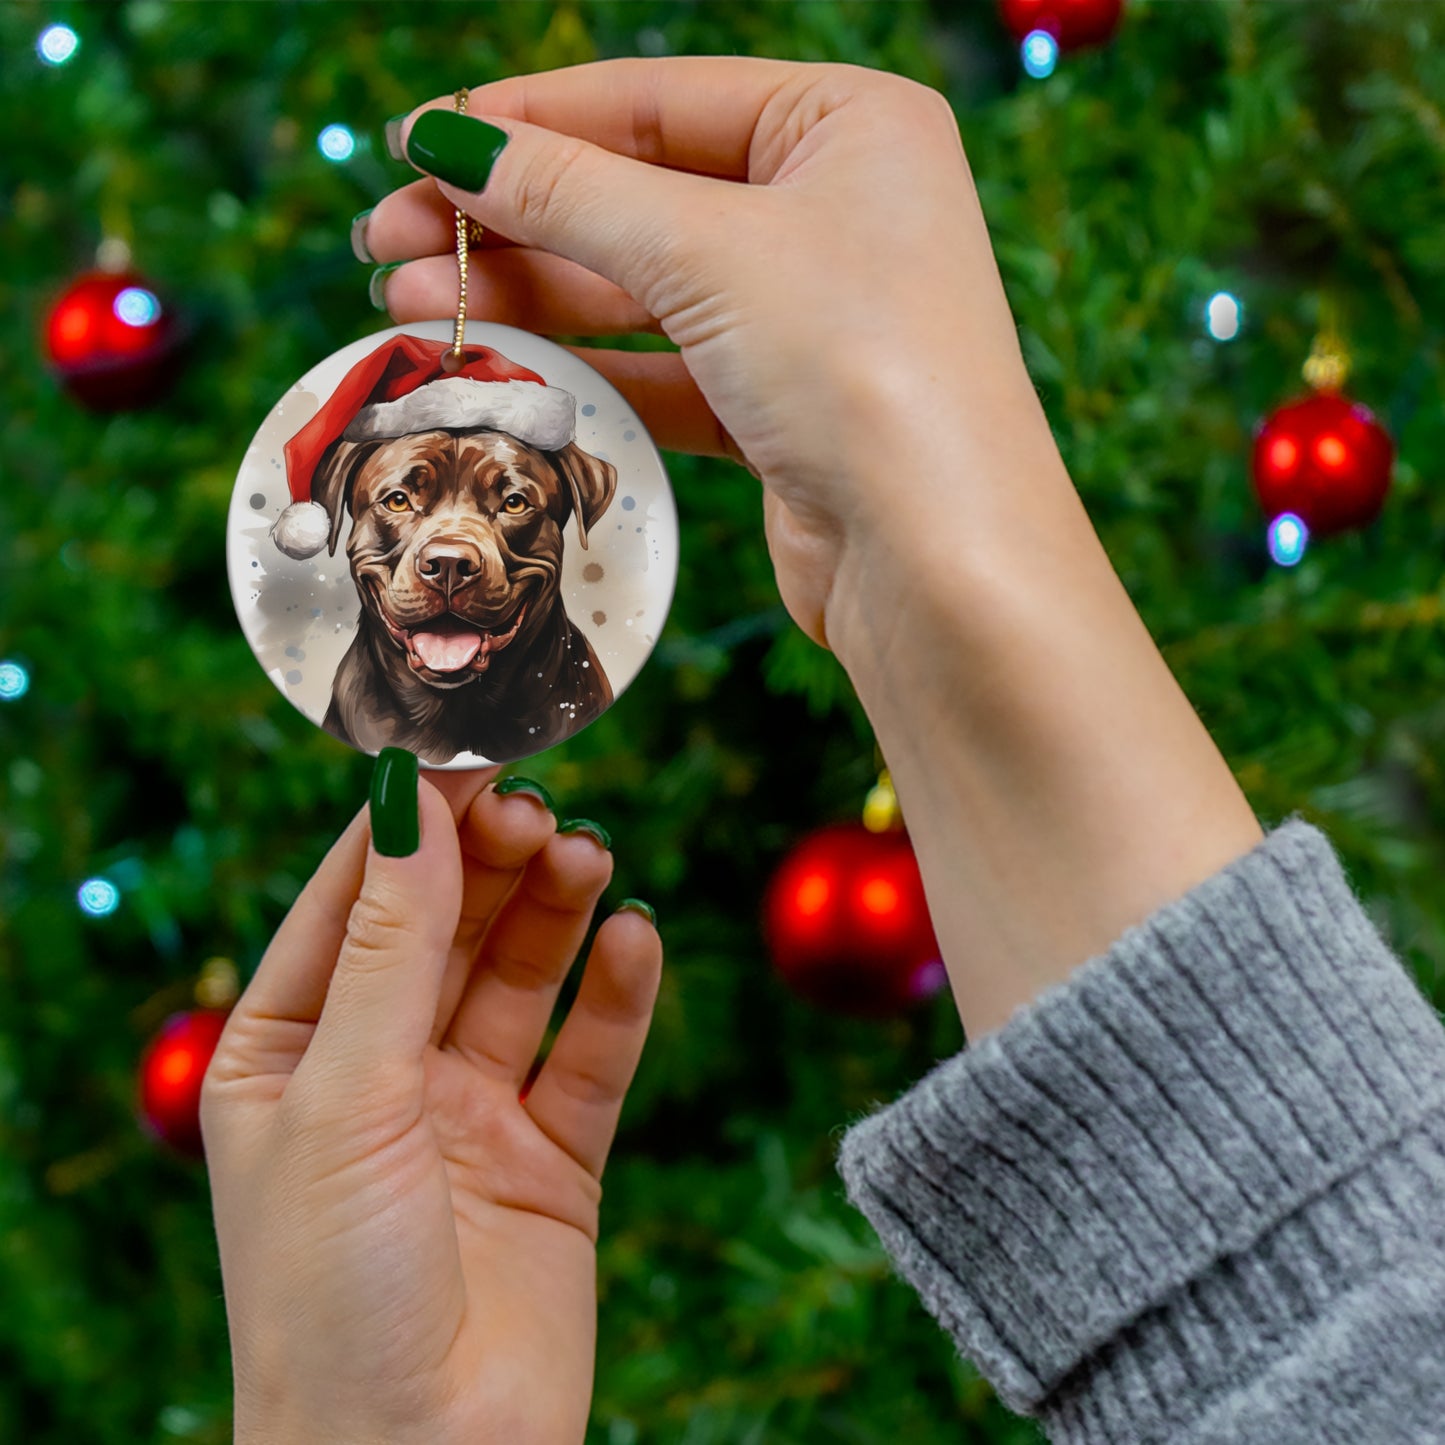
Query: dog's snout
449,566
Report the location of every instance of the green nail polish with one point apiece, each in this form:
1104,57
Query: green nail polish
376,288
586,825
636,905
359,247
392,132
525,785
395,821
455,148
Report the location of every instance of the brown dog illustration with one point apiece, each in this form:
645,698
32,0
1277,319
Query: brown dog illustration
463,643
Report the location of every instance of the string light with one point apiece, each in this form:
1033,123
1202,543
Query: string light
57,44
336,143
1040,52
1223,316
14,681
136,306
98,897
1288,538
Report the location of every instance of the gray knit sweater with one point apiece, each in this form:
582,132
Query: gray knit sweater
1196,1192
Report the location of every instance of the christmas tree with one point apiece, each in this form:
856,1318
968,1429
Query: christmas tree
1212,161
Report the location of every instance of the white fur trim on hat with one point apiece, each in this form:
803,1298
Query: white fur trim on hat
302,530
542,416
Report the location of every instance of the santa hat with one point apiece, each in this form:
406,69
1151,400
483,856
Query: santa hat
402,387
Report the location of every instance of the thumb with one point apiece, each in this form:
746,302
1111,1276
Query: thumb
382,1000
634,224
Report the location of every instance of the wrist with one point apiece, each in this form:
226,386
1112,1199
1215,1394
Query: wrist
1057,783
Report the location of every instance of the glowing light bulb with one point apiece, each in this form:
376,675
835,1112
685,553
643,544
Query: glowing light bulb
14,681
1223,316
136,306
336,143
57,44
1040,52
1288,538
98,897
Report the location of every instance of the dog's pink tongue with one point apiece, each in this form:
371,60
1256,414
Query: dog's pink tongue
447,651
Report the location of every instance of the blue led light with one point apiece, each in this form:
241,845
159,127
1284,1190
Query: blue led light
57,44
336,143
137,307
98,897
1040,52
1223,316
1288,538
14,681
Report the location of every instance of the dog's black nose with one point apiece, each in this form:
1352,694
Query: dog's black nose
449,566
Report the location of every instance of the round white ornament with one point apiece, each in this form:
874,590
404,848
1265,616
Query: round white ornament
472,564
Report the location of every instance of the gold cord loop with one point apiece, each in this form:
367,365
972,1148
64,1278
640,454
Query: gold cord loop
469,233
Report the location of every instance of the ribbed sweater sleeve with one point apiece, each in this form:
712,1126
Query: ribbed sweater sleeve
1195,1193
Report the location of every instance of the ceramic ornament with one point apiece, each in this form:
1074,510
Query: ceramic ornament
472,564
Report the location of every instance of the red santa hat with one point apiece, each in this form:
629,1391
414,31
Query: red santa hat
402,387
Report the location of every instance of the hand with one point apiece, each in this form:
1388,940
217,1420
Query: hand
408,1248
841,322
810,237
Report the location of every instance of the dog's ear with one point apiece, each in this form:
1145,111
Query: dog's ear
331,486
591,481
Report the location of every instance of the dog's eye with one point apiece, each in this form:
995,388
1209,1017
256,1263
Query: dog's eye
514,504
397,502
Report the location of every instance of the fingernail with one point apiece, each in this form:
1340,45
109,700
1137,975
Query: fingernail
393,136
395,821
359,248
455,148
525,785
586,825
376,288
636,905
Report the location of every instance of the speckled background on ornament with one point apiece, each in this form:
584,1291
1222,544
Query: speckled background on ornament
300,616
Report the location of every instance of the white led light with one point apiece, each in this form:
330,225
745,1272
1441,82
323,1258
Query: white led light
57,44
1223,316
98,897
137,307
336,143
14,681
1288,537
1040,53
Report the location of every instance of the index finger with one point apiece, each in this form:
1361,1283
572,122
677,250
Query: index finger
696,113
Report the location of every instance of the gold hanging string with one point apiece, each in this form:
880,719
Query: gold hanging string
469,233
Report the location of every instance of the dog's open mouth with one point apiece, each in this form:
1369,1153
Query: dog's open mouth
452,644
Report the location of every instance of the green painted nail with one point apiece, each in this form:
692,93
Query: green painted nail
586,825
525,785
376,288
392,132
455,148
395,824
636,905
359,247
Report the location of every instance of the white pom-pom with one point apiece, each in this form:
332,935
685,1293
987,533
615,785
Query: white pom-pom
302,530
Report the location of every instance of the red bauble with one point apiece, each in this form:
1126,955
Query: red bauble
1326,459
847,924
171,1072
1073,23
112,341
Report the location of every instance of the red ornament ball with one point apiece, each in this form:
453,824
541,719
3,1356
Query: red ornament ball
847,924
112,341
1326,459
171,1071
1073,23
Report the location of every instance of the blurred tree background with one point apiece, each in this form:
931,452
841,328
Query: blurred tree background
1287,153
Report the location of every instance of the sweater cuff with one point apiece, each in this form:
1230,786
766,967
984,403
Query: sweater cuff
1228,1061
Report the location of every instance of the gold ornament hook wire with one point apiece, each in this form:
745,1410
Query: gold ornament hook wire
469,233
